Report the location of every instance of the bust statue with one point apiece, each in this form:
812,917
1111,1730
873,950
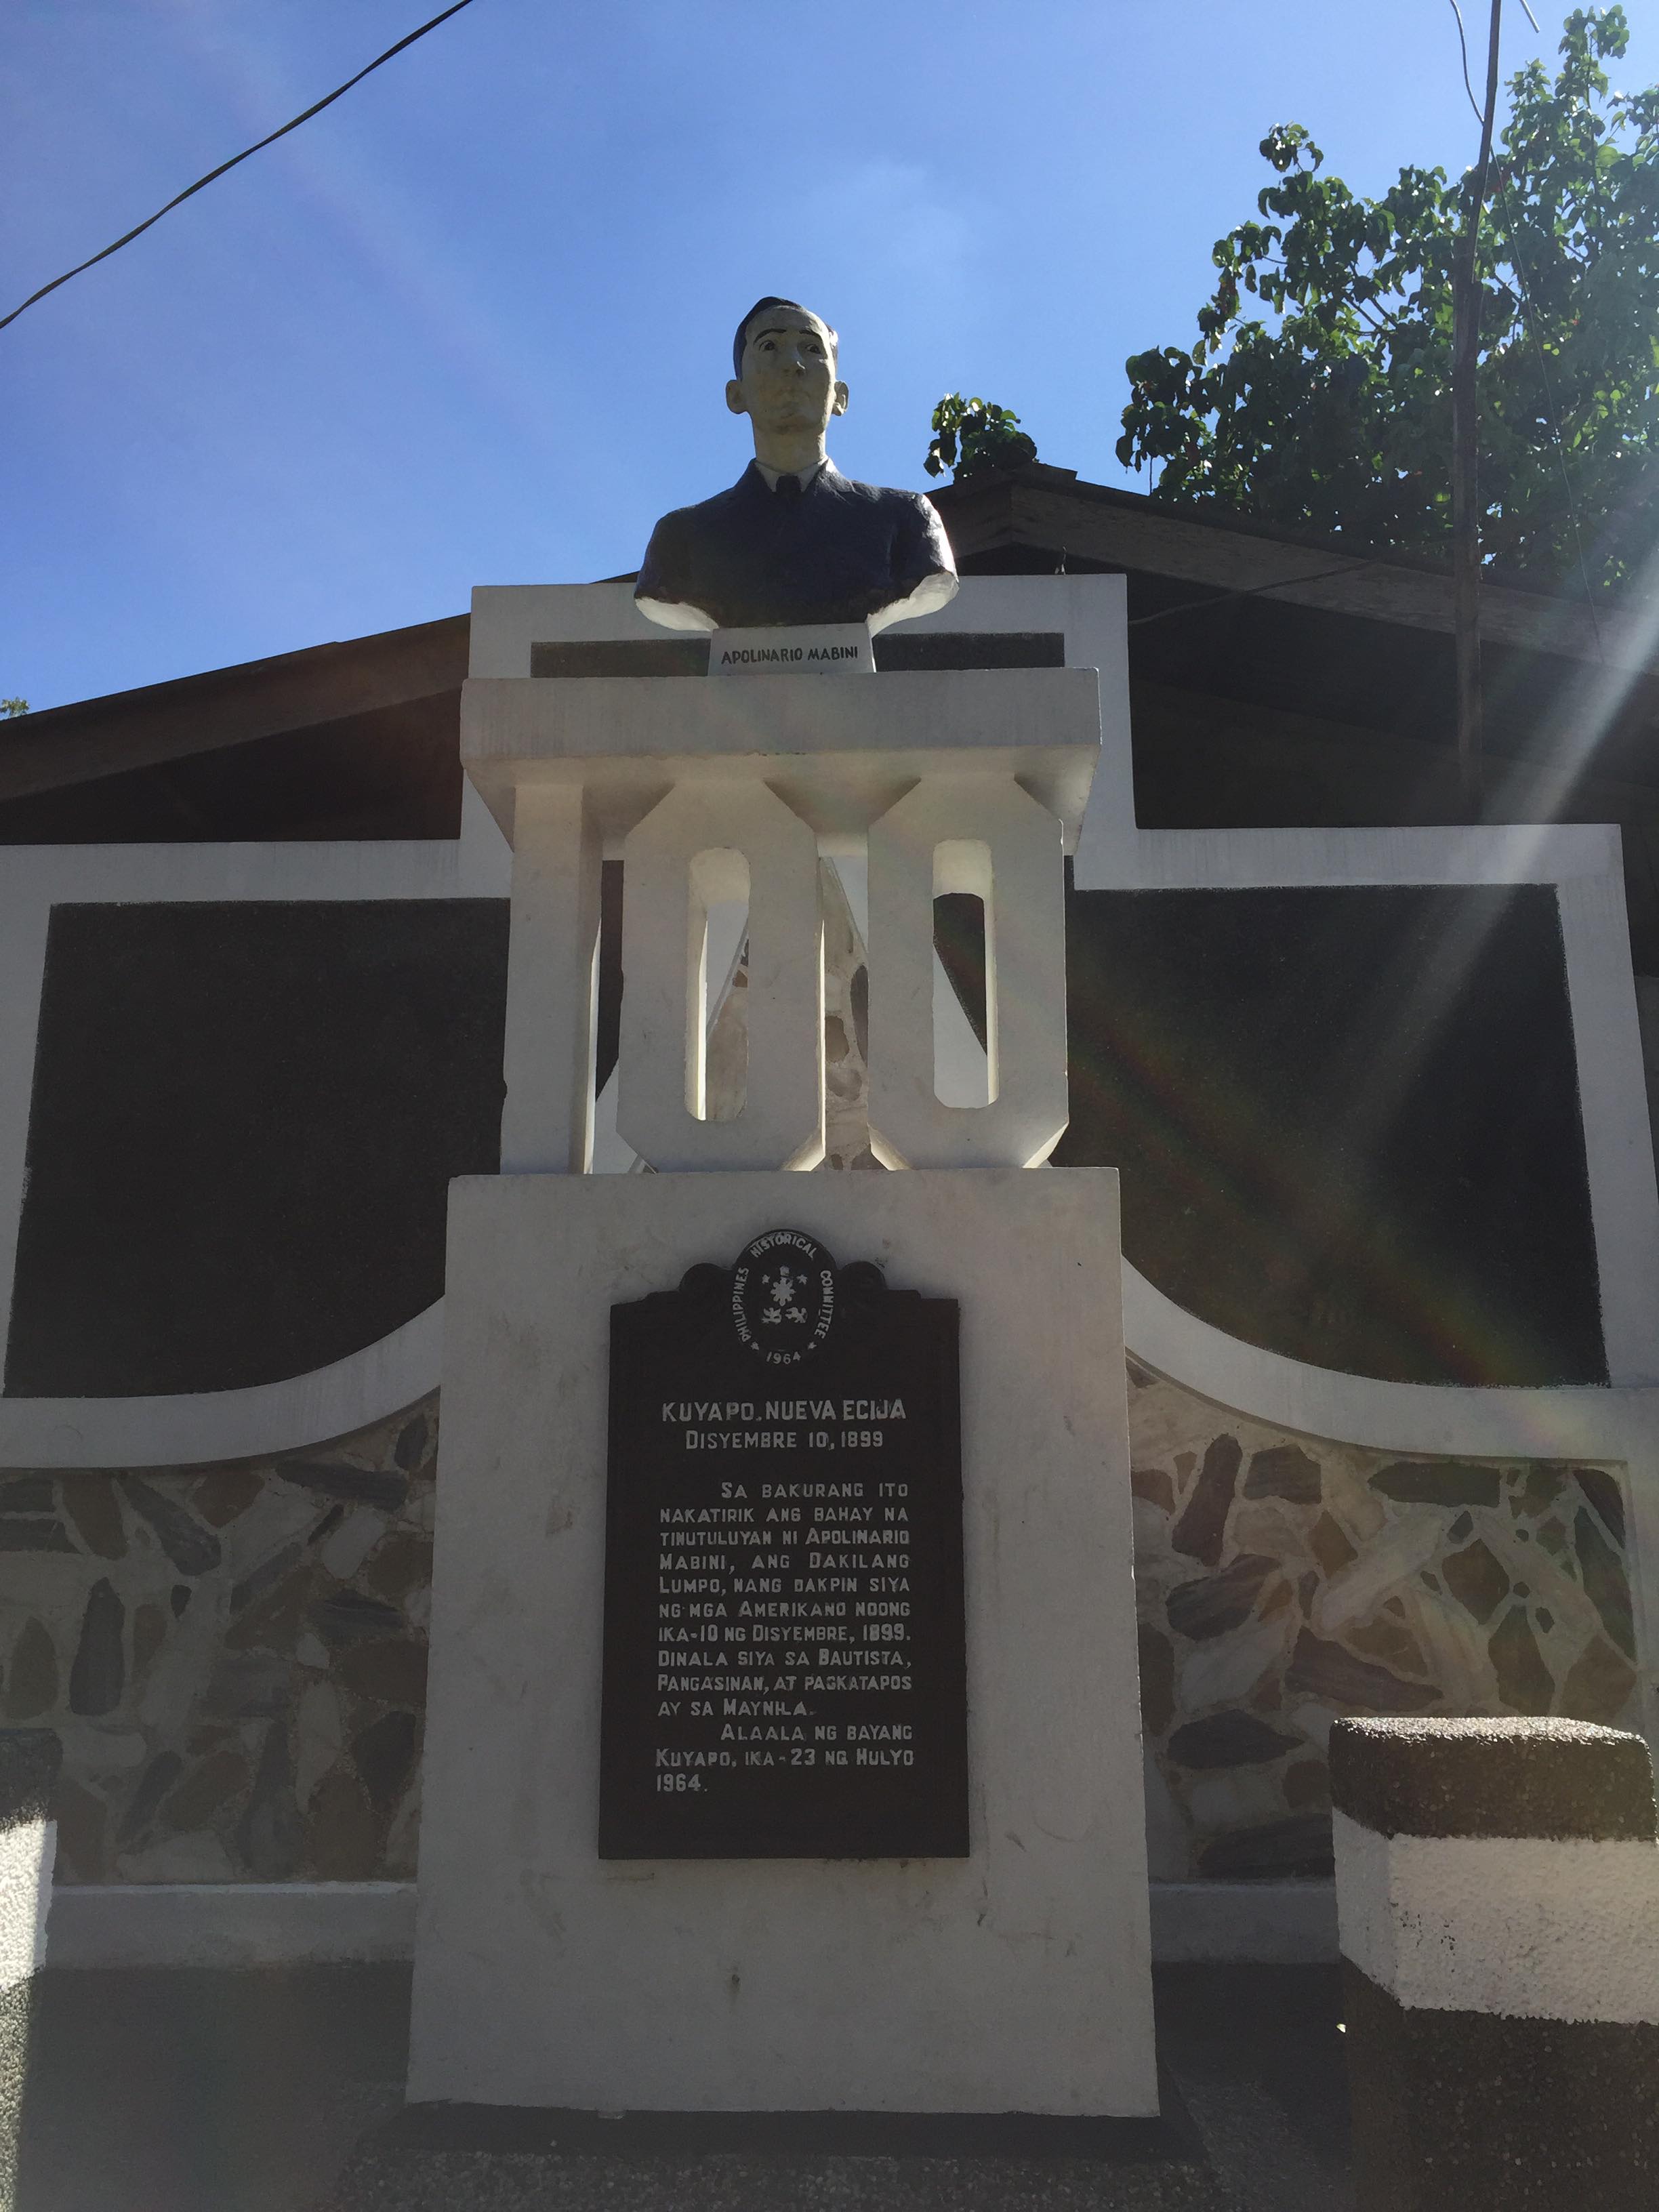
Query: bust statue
793,541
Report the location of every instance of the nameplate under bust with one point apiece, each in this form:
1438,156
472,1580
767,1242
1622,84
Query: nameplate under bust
820,649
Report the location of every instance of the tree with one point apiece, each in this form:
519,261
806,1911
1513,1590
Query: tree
985,436
9,707
1332,410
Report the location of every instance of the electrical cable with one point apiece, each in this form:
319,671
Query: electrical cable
1463,48
1524,287
191,190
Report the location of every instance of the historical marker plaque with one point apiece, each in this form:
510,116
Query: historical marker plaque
784,1672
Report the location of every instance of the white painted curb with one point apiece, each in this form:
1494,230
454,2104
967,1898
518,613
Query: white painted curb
1290,1923
1244,1923
230,1924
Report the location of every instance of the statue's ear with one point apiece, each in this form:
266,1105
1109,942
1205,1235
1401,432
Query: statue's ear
734,399
838,407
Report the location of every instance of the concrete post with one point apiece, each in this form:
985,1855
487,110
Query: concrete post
1021,877
29,1759
1497,1898
664,1009
547,1118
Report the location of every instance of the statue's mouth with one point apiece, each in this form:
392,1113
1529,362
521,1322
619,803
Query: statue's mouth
794,405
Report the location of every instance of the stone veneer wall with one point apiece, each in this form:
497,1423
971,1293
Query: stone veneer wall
1282,1581
234,1657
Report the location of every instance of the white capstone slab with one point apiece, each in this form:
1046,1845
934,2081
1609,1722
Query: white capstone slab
839,754
1527,1926
816,650
510,620
1018,1979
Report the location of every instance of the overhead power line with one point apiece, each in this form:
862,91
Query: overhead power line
1524,289
1466,433
190,190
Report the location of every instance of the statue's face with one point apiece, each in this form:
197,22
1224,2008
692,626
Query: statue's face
789,380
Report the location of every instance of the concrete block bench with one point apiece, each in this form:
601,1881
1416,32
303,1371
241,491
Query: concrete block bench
29,1759
1498,1898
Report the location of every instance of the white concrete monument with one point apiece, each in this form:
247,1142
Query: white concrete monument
783,1739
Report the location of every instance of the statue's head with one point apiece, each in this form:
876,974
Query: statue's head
783,359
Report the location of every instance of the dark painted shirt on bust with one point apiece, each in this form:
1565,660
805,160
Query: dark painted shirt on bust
838,552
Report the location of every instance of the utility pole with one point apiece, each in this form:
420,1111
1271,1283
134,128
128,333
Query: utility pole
1466,454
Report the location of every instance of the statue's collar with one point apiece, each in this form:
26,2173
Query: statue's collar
769,475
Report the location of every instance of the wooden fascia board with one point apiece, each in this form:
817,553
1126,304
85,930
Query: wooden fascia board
979,518
1159,543
94,738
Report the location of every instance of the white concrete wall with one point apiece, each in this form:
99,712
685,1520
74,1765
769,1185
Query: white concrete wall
287,1923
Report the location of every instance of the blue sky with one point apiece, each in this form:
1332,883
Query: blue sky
471,325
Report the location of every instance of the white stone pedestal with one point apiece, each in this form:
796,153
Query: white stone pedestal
1015,1980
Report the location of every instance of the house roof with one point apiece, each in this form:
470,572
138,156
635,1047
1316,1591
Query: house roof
1049,509
352,739
1274,637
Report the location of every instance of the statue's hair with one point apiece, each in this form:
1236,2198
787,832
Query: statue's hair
759,308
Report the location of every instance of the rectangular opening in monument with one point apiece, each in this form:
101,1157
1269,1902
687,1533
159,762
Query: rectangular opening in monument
716,994
964,974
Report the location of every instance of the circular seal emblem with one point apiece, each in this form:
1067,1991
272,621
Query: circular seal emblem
783,1297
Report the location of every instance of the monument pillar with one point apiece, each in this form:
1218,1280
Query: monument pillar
783,1737
552,984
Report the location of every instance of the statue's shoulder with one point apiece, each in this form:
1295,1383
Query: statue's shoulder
908,521
682,525
885,496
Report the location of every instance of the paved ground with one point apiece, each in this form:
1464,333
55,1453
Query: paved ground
199,2091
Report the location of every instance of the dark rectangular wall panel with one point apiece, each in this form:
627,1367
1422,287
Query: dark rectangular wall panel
622,656
906,650
245,1120
1346,1120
